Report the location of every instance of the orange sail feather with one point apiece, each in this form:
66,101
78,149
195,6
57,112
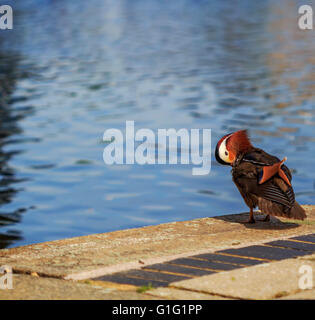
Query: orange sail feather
270,171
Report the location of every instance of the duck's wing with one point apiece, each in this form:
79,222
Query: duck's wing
247,176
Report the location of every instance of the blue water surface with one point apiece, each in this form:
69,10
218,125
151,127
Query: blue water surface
69,70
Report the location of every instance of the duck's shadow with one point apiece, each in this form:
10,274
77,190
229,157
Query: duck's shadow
274,223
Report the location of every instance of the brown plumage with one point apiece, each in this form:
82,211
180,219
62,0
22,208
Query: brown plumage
262,179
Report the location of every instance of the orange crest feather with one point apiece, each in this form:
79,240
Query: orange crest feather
239,142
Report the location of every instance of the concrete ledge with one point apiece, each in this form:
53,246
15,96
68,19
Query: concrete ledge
27,287
95,255
179,294
264,281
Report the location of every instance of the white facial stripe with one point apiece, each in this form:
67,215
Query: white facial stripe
223,149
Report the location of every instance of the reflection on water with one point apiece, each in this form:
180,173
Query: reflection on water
9,118
72,69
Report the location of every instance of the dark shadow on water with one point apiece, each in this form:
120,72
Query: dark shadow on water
9,127
273,224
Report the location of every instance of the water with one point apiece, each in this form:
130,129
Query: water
72,69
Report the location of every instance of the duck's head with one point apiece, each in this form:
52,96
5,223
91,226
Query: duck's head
231,146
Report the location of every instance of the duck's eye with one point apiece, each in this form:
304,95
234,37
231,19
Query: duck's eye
226,153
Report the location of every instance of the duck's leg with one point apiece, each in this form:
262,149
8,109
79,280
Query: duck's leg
251,216
267,218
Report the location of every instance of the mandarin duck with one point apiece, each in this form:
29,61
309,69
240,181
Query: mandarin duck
262,179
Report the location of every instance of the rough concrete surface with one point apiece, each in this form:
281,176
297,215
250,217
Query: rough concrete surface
308,294
140,246
264,281
40,269
178,294
27,287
